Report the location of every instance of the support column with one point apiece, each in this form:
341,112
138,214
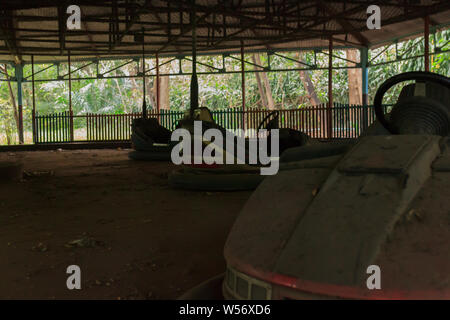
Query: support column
365,86
144,102
330,90
158,100
243,85
365,75
427,43
194,79
70,99
33,113
19,77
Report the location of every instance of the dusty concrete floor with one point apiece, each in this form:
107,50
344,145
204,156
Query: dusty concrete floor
147,241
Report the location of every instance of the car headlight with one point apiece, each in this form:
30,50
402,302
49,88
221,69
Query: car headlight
241,286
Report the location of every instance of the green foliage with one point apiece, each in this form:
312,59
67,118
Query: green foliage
439,63
216,91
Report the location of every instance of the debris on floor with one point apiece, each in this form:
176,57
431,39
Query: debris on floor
85,242
32,174
40,247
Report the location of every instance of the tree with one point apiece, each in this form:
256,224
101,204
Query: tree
354,78
11,96
307,83
263,85
164,88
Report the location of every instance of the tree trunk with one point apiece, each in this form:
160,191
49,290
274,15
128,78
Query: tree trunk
12,98
354,83
150,91
307,84
7,130
164,89
121,96
354,78
262,94
270,104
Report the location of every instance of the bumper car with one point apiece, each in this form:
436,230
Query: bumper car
150,140
369,223
238,175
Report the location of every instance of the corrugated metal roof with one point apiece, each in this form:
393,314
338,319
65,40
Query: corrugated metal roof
108,28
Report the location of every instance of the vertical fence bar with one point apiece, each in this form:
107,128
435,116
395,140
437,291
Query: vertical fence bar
110,127
52,127
303,124
97,127
46,136
41,130
360,116
58,138
120,130
44,129
347,122
426,39
116,126
307,122
37,127
55,127
103,127
100,127
334,121
124,126
60,127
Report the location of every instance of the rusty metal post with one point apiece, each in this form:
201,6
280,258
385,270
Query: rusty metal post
427,43
194,78
144,102
33,112
365,86
70,99
19,77
330,89
243,84
158,101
